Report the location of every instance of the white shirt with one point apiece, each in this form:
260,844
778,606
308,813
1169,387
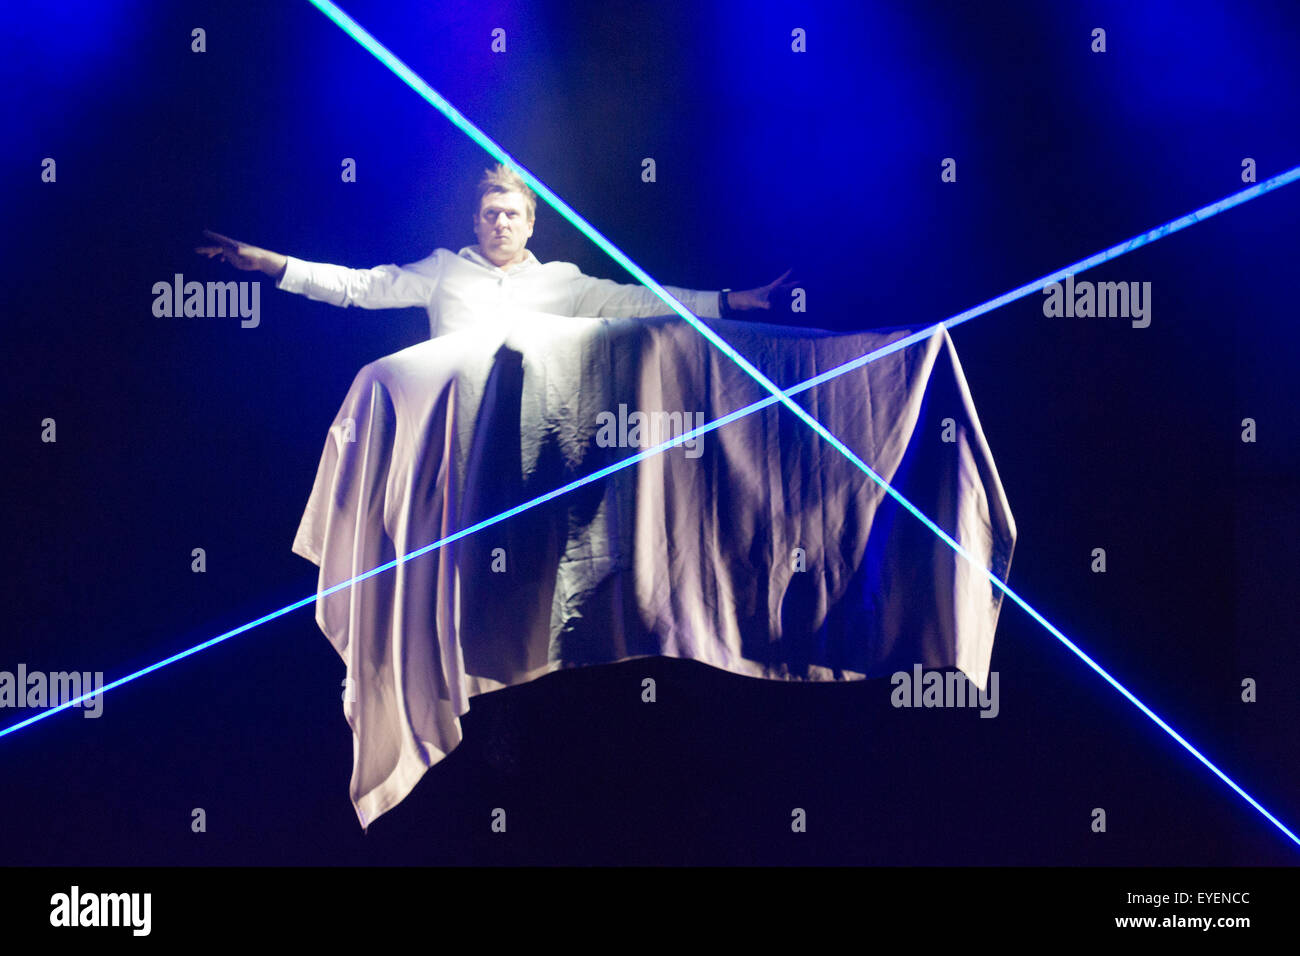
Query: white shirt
459,289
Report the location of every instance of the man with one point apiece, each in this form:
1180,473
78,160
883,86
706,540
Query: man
460,289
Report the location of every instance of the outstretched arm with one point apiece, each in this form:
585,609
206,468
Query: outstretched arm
383,287
243,256
604,297
609,299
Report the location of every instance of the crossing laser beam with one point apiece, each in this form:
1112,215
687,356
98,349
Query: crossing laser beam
385,56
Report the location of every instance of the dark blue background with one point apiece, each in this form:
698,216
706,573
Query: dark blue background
183,433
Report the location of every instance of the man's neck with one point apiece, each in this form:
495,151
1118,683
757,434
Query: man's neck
521,257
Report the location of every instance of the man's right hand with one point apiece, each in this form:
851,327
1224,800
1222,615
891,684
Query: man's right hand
243,256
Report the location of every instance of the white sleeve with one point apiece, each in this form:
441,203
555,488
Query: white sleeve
607,298
383,287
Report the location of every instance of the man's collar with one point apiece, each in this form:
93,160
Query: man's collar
474,254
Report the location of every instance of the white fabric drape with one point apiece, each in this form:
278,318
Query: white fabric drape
690,554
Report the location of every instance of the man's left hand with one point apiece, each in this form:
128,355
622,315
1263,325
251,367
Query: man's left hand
760,298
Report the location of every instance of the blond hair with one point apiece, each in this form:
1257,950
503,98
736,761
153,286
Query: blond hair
503,179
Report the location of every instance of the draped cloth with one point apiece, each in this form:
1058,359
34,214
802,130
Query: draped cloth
756,548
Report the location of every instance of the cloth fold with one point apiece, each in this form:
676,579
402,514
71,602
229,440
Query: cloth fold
756,548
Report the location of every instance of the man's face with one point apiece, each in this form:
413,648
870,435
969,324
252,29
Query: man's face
503,227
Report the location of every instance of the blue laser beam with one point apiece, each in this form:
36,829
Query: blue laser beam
380,52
